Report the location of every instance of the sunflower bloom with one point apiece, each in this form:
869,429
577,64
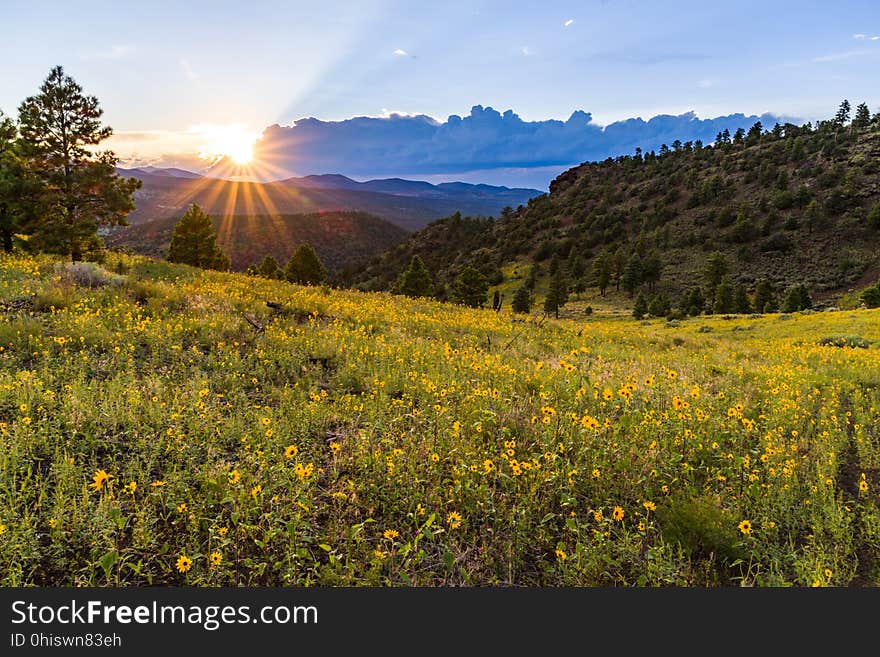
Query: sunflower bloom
617,514
745,527
184,563
99,479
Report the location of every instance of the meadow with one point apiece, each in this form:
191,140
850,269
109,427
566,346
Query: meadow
161,425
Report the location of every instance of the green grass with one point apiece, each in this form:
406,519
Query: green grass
367,439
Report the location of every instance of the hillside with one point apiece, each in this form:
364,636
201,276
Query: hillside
794,204
341,239
408,204
153,415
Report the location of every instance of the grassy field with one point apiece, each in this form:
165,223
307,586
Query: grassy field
167,427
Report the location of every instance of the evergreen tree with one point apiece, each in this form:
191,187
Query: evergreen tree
304,267
632,274
270,268
813,216
496,301
797,297
80,189
416,281
618,263
695,303
522,300
842,116
871,296
602,272
764,298
641,306
470,288
652,269
863,116
741,303
713,271
194,242
723,297
15,187
659,306
557,295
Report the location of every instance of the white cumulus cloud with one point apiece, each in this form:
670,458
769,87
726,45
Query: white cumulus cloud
400,52
568,23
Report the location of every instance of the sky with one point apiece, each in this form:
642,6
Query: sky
169,75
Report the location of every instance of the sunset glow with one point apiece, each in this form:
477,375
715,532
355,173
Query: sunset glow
234,142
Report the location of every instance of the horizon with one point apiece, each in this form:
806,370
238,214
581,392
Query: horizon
204,85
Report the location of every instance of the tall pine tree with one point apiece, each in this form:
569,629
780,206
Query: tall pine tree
80,189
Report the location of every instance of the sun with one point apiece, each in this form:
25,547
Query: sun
233,142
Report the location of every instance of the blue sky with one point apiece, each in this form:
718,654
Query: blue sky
161,68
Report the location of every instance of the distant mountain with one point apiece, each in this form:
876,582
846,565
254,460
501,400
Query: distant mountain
168,172
343,240
406,203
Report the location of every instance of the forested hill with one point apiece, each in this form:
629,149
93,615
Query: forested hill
792,204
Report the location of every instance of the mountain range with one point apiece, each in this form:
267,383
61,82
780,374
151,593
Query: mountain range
409,204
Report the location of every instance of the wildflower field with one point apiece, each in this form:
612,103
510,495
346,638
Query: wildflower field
163,425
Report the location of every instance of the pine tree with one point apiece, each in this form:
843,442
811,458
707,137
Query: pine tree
863,116
797,297
632,274
713,271
15,185
416,280
874,216
641,306
194,242
723,297
602,272
80,189
304,267
470,288
522,300
843,112
557,295
741,303
764,299
270,268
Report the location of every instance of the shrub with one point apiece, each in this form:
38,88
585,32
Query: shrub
851,341
87,274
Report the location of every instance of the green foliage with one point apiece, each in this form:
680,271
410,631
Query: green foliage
741,303
269,268
640,308
416,280
764,300
724,297
702,526
659,306
557,295
849,341
304,267
77,186
797,297
470,288
871,296
522,300
194,242
714,271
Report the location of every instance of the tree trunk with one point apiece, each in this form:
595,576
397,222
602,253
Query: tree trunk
7,239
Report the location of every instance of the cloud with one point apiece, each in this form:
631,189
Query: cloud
833,57
706,84
114,52
865,37
483,140
568,23
188,70
526,52
400,52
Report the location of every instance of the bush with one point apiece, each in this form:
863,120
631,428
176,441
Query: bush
87,274
702,527
851,341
